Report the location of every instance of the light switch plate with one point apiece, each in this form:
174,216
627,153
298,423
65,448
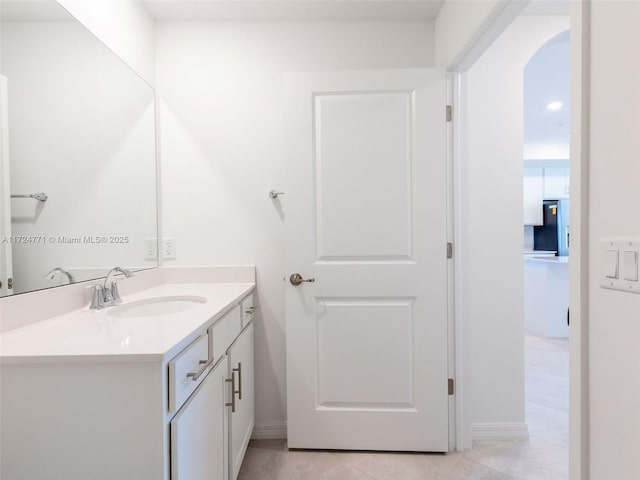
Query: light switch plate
619,264
629,265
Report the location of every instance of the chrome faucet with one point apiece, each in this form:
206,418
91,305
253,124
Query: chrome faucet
110,287
97,298
60,271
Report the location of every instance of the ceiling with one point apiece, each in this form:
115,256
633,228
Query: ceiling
33,11
326,10
546,79
548,7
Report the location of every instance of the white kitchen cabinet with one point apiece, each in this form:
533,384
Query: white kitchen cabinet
546,296
199,431
543,182
533,195
556,182
243,414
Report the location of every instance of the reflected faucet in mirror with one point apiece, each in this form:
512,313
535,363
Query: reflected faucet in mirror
110,287
60,271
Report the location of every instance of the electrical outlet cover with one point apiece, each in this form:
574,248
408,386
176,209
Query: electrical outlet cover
169,248
150,248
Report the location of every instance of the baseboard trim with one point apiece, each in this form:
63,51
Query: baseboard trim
479,431
270,431
499,431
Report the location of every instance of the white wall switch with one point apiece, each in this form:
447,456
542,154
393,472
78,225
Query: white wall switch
150,248
169,248
619,264
630,265
611,263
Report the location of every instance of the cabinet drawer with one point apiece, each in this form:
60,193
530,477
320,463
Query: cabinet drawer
248,310
187,371
223,333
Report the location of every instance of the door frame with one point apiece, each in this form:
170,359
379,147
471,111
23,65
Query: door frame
499,19
5,191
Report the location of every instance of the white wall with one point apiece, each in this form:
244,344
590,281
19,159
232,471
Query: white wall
614,317
492,234
82,130
125,26
222,148
457,25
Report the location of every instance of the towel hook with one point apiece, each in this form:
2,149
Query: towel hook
41,197
273,194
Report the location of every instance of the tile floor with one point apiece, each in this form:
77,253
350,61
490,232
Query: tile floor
543,457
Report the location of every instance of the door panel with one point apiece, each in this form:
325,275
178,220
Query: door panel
367,340
355,133
351,363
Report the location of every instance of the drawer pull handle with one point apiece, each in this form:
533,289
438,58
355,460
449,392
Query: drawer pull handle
196,375
239,370
232,380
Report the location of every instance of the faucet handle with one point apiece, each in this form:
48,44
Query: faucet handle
97,299
115,294
108,294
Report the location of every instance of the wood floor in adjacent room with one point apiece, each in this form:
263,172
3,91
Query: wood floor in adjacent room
543,457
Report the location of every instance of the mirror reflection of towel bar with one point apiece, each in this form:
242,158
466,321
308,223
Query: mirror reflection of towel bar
41,197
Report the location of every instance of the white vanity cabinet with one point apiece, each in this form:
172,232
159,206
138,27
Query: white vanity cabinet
211,431
243,411
164,416
199,431
248,307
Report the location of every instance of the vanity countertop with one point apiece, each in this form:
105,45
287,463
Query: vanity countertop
84,334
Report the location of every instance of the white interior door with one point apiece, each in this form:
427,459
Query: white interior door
366,218
6,265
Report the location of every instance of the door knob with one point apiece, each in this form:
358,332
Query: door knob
296,279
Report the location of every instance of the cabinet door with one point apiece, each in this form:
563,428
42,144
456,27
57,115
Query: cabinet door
533,195
556,182
199,432
242,420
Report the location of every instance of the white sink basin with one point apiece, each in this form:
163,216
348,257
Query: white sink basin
158,306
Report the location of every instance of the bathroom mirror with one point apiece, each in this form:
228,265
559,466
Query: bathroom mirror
78,153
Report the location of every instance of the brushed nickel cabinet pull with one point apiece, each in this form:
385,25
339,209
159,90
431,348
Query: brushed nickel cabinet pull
232,380
239,370
196,375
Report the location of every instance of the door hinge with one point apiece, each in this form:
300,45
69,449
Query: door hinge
10,283
451,386
449,250
449,113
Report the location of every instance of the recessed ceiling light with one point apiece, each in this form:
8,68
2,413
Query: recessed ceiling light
554,105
